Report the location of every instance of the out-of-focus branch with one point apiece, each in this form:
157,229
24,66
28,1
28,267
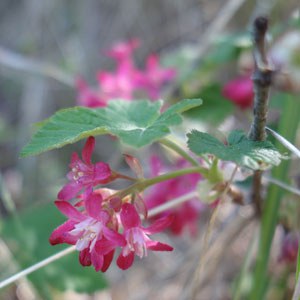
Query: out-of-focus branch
209,36
262,78
22,63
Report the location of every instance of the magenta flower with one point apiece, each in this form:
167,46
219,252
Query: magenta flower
89,231
85,174
240,92
155,76
87,96
185,215
123,50
136,236
120,84
289,248
126,80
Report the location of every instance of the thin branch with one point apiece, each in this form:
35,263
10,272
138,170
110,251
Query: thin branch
170,204
36,266
284,142
199,270
22,63
215,29
262,77
261,80
283,185
178,149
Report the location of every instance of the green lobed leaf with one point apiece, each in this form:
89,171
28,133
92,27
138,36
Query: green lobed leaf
251,154
137,123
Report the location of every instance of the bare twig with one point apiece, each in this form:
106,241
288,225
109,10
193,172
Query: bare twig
283,185
22,63
262,78
199,270
215,28
37,266
284,142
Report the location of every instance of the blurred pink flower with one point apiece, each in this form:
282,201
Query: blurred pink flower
85,174
123,81
126,80
289,248
155,76
89,231
87,96
185,215
240,92
123,50
136,236
120,84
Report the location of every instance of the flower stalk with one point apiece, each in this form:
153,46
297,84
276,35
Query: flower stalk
175,147
145,183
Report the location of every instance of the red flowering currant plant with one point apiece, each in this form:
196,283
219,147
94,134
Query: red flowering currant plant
103,222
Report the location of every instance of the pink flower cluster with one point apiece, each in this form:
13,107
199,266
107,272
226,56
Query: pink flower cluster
186,215
99,221
126,80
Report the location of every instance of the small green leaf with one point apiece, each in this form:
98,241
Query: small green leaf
241,150
137,123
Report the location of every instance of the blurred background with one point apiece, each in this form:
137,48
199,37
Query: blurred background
44,47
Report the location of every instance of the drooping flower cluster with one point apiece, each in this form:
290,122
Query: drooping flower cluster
185,215
126,80
99,222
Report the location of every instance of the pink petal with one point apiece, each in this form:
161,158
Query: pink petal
85,257
125,262
152,62
69,211
97,260
104,246
61,234
107,260
157,246
123,50
114,236
107,81
102,172
155,165
87,96
74,159
159,225
93,205
129,216
69,191
88,150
